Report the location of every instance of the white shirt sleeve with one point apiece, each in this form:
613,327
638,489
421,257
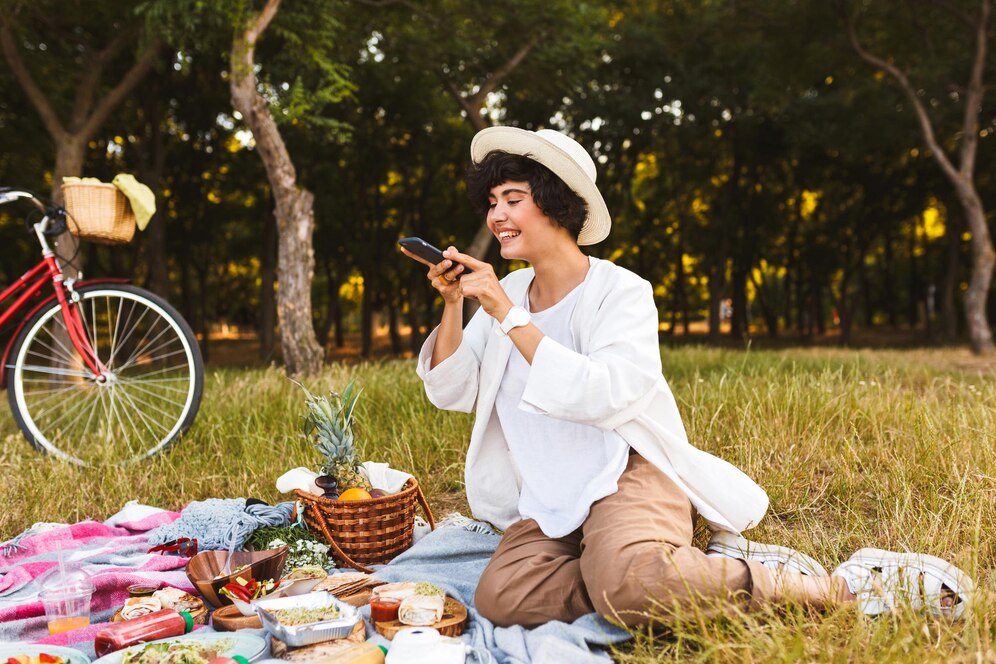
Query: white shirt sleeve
453,383
616,380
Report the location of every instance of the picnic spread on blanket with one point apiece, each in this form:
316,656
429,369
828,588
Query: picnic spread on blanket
344,571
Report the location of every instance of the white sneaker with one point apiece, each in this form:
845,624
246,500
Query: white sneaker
882,580
770,555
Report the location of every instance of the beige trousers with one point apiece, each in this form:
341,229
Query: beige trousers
632,555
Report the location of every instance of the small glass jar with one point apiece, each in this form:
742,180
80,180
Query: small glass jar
141,590
384,609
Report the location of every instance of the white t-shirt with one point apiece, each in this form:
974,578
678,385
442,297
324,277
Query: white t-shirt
565,466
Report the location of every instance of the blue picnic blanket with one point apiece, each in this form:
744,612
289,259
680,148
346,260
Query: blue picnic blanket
453,558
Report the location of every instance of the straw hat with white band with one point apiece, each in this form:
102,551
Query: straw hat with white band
562,155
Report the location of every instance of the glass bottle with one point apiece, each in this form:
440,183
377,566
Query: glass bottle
157,625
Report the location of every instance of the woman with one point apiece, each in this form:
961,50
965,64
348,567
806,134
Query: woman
578,451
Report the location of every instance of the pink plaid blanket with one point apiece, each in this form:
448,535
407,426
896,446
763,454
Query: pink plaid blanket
114,556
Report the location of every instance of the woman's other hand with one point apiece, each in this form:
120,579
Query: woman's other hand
444,277
481,284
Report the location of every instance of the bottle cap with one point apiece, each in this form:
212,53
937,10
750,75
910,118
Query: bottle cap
188,621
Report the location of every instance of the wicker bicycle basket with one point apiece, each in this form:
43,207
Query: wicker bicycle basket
366,532
98,212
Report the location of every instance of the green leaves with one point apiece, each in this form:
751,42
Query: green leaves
329,423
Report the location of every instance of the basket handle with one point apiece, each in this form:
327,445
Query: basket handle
425,506
339,552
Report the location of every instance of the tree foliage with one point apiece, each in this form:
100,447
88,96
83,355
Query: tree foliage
763,177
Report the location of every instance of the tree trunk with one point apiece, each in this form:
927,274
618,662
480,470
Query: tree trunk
70,151
332,314
916,292
716,279
415,283
738,320
203,324
818,319
267,279
151,168
889,284
767,311
294,204
866,295
393,327
983,258
366,320
949,284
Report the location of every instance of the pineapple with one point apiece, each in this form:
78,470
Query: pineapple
329,424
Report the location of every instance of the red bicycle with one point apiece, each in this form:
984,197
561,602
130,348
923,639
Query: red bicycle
99,371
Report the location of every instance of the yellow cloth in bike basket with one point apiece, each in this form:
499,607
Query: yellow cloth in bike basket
143,201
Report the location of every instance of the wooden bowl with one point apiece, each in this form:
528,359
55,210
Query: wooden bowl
204,568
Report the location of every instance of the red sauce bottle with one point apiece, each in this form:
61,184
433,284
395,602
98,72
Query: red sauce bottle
152,626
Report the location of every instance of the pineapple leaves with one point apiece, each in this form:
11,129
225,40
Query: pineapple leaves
328,424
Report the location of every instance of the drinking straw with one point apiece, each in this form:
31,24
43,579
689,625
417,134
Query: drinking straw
62,562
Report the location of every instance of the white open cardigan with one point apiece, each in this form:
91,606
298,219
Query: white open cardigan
614,382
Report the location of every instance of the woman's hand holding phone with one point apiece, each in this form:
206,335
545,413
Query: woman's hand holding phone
456,275
479,282
444,276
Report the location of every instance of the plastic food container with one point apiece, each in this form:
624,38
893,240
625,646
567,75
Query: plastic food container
304,635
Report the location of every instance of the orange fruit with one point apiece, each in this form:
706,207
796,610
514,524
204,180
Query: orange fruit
355,494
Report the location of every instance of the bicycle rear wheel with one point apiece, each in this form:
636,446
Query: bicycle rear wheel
147,400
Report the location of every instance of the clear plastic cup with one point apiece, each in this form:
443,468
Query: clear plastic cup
66,594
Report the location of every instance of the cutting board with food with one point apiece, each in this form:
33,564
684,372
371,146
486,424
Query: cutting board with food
164,598
418,604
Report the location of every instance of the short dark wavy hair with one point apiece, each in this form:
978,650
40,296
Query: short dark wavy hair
551,194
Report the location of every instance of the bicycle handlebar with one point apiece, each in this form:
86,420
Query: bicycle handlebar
53,220
10,194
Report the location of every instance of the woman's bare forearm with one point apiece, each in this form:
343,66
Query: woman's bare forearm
450,333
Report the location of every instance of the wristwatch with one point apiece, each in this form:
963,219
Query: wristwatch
516,317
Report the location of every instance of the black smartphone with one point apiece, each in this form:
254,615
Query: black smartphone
426,251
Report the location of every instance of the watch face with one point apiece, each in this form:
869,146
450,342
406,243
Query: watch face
517,316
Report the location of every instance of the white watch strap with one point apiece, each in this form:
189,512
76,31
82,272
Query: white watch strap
516,317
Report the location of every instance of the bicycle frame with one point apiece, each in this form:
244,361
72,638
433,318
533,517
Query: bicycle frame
32,281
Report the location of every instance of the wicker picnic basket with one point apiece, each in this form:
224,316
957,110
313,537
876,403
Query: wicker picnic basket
98,212
366,532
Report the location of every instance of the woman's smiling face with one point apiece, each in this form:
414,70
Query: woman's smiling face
522,229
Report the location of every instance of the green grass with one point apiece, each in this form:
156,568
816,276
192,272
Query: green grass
894,450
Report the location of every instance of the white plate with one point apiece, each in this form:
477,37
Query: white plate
33,650
250,646
289,589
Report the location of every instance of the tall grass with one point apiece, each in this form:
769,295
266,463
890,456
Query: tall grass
894,450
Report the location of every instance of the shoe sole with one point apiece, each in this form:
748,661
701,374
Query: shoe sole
955,579
734,546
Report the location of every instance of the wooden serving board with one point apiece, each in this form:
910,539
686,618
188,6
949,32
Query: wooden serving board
228,619
318,652
452,624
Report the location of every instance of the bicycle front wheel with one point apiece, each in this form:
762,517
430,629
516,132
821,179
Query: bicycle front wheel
149,396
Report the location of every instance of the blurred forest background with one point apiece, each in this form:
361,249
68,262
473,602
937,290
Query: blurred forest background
782,171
